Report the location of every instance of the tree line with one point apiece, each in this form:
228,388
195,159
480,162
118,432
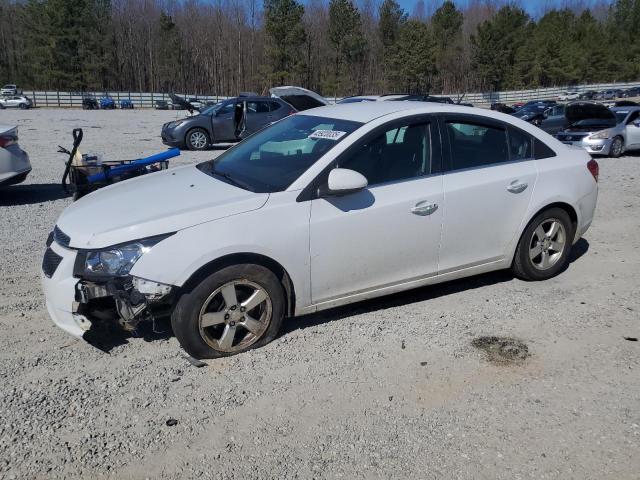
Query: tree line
336,47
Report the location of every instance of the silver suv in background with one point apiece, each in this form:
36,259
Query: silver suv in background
14,162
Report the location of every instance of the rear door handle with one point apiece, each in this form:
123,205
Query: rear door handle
423,208
517,187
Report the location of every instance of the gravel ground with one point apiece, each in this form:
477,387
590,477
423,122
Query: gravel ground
391,388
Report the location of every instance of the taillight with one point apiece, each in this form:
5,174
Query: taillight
6,141
594,168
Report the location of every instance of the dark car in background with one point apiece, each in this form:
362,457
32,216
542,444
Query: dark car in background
89,102
126,104
631,92
227,121
235,118
533,111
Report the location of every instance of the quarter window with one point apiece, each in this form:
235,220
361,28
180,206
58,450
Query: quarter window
476,145
520,147
397,154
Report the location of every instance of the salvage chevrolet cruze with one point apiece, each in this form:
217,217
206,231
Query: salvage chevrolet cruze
333,206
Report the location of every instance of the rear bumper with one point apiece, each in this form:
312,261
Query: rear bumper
14,165
15,179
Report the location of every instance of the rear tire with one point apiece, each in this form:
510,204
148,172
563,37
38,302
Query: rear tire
197,139
544,247
617,147
233,310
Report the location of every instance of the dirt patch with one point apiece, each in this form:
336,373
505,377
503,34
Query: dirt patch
502,350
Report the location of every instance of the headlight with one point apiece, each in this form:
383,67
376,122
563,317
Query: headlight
600,135
115,261
175,124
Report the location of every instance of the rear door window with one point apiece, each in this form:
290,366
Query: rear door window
476,145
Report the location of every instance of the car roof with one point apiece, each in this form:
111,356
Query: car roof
364,112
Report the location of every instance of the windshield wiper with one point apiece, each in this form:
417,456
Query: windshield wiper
230,179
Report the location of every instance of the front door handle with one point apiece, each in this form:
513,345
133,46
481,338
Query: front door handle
423,208
517,187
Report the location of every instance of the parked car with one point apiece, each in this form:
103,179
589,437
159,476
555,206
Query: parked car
107,103
600,130
9,90
14,162
162,105
588,95
324,208
609,94
15,101
226,121
554,120
197,104
631,92
126,104
502,108
533,112
567,96
89,102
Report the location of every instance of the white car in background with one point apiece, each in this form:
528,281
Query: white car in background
568,96
14,162
9,89
323,208
15,101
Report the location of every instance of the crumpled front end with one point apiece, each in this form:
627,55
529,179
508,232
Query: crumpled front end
78,305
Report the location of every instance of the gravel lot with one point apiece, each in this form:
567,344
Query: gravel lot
390,388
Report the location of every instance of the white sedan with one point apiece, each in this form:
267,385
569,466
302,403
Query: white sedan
326,208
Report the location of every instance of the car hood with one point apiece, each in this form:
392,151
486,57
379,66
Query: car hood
153,204
587,110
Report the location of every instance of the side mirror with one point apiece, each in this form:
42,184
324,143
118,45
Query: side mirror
636,122
343,181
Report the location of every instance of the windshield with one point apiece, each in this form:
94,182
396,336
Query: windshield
273,158
213,108
621,115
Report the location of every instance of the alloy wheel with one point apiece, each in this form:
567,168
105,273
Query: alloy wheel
198,140
235,316
616,147
547,244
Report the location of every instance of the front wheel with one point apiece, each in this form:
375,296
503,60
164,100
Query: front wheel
544,248
197,139
233,310
617,147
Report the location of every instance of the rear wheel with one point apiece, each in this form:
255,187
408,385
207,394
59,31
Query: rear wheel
197,139
233,310
545,245
617,147
23,106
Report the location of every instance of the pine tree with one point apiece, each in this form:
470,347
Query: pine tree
286,38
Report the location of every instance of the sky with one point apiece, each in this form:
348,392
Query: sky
533,7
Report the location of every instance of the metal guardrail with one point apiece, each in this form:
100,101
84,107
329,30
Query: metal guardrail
148,100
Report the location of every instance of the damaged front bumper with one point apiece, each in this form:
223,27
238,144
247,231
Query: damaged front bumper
78,305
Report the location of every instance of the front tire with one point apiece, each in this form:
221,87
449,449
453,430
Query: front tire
231,311
197,139
617,147
544,247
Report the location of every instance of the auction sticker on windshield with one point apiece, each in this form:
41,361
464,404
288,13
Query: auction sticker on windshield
327,134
